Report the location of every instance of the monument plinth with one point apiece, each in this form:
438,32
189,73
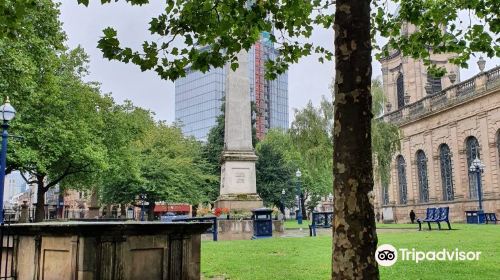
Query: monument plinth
238,189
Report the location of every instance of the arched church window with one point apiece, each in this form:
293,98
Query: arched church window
403,189
472,150
400,89
423,181
434,84
446,172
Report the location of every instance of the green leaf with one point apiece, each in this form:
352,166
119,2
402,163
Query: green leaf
234,66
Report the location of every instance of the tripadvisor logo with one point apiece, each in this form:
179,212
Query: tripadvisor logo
387,255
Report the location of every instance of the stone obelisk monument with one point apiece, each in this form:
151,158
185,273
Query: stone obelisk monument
238,189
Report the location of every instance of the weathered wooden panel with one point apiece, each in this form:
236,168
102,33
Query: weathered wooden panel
108,251
57,258
56,265
147,264
146,256
25,258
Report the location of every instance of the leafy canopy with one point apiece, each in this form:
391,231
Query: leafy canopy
385,136
275,169
311,135
224,28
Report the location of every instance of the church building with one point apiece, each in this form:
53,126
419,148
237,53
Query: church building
445,124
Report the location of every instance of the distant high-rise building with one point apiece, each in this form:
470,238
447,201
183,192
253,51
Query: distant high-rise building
14,184
199,96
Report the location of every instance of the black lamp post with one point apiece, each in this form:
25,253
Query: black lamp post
7,113
299,192
143,197
478,167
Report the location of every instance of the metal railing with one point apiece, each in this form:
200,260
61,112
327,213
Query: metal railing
8,246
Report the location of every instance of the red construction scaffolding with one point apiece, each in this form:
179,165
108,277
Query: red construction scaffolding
259,91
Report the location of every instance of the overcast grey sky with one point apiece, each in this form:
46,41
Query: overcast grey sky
307,80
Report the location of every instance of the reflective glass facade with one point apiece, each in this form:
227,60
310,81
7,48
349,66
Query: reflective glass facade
198,96
198,101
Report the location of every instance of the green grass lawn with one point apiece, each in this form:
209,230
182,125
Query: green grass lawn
409,226
292,224
309,258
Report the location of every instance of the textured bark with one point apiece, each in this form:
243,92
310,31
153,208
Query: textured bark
354,236
106,211
123,210
151,210
40,201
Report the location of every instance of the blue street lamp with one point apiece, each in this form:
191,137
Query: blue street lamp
7,113
478,167
299,192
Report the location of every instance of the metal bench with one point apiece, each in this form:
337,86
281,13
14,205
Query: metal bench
320,219
429,217
436,215
444,213
323,219
490,218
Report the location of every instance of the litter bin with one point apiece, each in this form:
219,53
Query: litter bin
262,223
475,217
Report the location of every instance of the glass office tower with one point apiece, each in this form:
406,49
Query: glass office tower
198,96
198,101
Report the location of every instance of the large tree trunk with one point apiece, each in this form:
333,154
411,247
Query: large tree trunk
151,210
123,211
108,209
40,201
354,236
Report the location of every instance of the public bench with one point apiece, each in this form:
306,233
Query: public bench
435,215
490,218
213,229
320,219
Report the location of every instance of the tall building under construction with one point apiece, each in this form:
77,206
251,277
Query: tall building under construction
199,96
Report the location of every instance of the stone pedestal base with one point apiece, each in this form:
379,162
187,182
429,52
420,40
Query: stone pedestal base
241,202
24,213
238,174
93,213
242,229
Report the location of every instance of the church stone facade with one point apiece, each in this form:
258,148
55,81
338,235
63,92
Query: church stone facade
445,124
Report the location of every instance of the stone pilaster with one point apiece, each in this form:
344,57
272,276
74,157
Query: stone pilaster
433,183
485,151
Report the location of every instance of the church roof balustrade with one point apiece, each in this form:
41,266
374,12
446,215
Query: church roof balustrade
482,83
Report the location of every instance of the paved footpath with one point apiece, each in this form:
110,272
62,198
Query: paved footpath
304,232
